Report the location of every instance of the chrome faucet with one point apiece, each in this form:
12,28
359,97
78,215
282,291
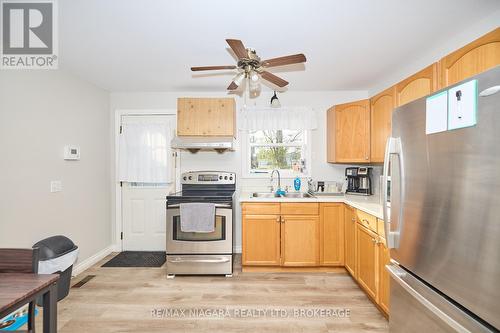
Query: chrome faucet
279,178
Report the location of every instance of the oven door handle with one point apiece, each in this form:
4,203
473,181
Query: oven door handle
216,206
213,261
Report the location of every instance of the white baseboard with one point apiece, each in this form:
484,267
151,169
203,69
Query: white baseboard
116,248
87,263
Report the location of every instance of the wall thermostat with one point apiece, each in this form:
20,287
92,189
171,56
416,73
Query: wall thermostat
71,153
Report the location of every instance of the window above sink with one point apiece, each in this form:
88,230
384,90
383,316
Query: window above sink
285,150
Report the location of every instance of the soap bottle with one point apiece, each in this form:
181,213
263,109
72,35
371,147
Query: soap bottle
296,183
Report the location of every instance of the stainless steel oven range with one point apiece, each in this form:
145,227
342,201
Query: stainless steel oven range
192,253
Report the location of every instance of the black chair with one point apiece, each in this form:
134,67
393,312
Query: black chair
21,261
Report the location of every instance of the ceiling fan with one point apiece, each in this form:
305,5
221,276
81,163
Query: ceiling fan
250,65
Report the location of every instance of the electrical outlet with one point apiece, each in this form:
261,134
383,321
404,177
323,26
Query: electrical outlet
55,186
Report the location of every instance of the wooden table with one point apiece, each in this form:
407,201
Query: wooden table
18,289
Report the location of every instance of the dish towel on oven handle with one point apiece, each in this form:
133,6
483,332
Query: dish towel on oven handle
197,217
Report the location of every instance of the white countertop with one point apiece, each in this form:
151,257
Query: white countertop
370,205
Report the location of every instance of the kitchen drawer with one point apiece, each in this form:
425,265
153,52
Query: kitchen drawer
380,228
261,208
299,208
367,220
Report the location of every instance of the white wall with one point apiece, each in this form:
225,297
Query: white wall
232,161
40,113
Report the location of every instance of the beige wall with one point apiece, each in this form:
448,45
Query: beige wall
40,113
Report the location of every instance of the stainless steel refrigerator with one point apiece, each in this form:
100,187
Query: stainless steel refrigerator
443,221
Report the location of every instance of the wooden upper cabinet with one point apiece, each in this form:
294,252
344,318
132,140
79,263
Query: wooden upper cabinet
416,86
261,240
381,107
352,132
206,117
332,234
300,240
472,59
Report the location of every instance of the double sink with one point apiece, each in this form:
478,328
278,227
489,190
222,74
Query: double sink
286,195
294,195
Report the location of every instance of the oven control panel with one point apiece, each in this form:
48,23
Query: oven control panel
208,177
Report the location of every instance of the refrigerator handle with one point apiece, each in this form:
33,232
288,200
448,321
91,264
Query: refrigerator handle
399,276
393,147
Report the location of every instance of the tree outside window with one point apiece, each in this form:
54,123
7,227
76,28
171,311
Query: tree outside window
277,149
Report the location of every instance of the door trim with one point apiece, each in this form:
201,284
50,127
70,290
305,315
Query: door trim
116,194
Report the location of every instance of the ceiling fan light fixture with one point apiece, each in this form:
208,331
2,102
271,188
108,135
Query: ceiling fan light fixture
254,89
250,66
254,76
238,79
254,85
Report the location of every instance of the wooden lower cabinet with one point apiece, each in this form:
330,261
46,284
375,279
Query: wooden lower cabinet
367,260
350,240
332,234
384,278
288,236
261,240
300,240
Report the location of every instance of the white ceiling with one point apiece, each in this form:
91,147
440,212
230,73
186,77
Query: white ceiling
138,45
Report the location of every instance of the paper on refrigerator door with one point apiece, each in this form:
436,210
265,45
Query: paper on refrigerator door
436,113
462,105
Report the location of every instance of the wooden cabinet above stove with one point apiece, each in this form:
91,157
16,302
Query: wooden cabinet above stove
206,117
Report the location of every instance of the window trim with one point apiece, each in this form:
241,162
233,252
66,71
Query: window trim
285,173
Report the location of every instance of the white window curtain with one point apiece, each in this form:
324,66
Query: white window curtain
268,118
145,151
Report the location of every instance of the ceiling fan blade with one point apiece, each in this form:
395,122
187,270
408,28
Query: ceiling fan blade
286,60
274,79
211,68
232,86
238,48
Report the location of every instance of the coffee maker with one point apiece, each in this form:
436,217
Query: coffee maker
359,180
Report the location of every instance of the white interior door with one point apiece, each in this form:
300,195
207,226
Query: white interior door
144,204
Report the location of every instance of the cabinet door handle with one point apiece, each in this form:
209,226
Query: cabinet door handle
278,219
353,220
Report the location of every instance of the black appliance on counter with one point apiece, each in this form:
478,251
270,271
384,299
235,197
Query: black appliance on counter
359,180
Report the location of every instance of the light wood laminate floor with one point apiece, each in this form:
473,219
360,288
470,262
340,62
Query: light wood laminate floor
138,300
